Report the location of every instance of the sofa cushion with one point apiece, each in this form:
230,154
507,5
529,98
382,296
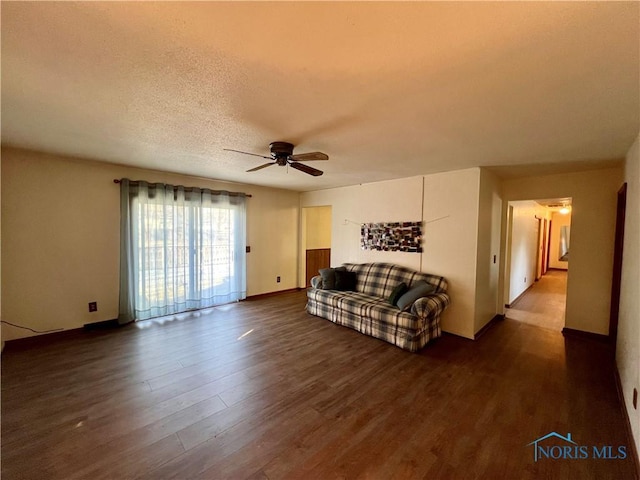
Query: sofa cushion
372,314
400,290
350,308
329,277
379,279
345,281
420,289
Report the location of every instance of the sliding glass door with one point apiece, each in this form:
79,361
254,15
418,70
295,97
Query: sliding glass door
183,249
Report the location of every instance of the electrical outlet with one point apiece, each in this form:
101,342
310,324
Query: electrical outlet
277,279
635,398
93,306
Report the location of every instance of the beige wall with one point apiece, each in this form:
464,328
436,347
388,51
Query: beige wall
395,200
522,248
488,270
593,196
558,221
60,219
522,245
451,203
628,347
315,232
451,232
60,246
1,326
317,227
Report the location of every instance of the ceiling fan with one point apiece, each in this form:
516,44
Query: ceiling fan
282,154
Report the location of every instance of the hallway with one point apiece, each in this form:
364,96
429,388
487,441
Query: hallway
543,305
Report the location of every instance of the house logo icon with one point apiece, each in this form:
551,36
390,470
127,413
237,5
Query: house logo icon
537,449
554,446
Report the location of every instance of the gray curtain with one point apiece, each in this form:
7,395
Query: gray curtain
181,249
126,311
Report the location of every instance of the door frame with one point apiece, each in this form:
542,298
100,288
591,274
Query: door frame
539,249
302,240
616,282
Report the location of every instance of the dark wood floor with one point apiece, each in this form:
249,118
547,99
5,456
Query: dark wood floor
262,390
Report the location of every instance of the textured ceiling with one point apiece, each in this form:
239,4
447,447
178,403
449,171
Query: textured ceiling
387,90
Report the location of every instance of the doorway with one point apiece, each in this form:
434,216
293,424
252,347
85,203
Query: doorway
537,261
542,254
617,265
316,241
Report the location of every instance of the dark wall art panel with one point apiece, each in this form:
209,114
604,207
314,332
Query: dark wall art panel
392,236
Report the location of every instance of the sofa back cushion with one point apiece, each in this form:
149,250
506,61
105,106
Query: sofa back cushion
328,276
379,279
345,280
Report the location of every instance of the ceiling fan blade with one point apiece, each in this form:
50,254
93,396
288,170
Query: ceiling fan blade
246,153
307,157
261,167
306,169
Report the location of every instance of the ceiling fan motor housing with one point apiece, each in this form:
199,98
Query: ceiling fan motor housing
280,152
282,155
281,149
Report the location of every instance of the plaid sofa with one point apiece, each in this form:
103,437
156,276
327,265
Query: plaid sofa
368,311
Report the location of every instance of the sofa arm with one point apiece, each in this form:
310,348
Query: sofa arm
430,306
316,282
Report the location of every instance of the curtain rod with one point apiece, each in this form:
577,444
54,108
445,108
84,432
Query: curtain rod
186,189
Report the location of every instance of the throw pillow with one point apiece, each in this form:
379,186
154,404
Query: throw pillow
400,290
419,290
345,281
328,276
